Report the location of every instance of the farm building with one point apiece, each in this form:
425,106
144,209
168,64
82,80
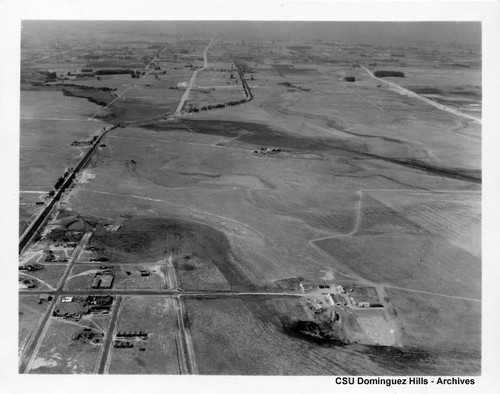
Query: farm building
347,300
337,299
106,282
103,281
96,282
100,300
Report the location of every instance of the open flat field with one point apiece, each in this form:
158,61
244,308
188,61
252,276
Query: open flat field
48,277
418,262
227,337
156,316
60,354
249,337
30,312
50,122
313,179
454,216
429,326
431,239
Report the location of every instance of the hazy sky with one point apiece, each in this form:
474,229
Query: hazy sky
395,33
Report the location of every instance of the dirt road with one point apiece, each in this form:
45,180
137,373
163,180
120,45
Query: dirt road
405,92
103,358
185,96
187,358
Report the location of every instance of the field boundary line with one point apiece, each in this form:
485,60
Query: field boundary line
360,193
59,119
364,98
117,97
431,293
405,92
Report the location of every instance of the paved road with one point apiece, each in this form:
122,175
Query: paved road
192,80
112,102
406,92
165,292
433,294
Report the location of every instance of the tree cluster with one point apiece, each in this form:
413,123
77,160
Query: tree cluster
115,71
383,73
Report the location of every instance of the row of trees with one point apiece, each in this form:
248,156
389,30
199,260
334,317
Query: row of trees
220,105
115,71
383,73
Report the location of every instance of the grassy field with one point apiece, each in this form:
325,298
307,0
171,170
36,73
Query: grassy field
431,322
419,262
26,214
200,274
50,122
246,337
156,316
227,337
50,274
53,104
30,312
424,241
59,354
454,216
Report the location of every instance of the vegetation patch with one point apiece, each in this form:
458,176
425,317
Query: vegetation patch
386,73
100,96
319,333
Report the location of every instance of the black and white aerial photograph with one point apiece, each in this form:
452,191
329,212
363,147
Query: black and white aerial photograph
251,197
